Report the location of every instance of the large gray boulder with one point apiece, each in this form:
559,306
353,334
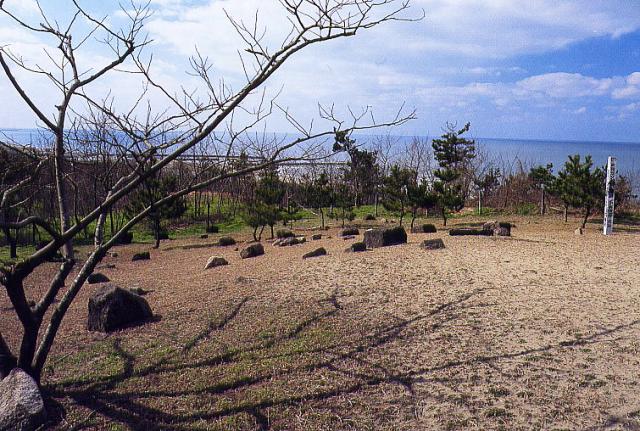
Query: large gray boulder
253,250
21,405
315,253
375,238
112,307
215,261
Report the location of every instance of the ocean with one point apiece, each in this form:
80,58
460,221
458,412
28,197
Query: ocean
529,152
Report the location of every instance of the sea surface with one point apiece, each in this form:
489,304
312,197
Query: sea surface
503,152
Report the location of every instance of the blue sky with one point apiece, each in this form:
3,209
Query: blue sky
515,69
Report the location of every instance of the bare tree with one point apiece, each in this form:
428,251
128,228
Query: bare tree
148,141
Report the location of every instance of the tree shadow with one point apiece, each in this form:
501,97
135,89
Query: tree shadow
346,359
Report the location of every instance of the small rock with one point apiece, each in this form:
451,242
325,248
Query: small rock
226,241
106,266
350,231
348,237
112,307
113,254
315,253
432,244
21,404
145,255
97,277
316,237
385,237
204,236
578,231
357,247
215,261
253,250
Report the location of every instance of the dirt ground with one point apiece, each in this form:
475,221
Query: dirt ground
537,331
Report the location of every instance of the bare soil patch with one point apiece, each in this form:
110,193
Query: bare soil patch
537,331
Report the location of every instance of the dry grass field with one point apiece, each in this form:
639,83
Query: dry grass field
537,331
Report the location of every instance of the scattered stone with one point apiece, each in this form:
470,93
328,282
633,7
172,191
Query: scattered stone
288,241
253,250
578,231
97,277
350,231
212,229
243,280
145,255
106,266
348,237
470,232
374,238
432,244
139,291
125,238
112,307
215,261
425,228
357,247
226,241
498,228
316,237
113,254
21,404
284,233
315,253
204,236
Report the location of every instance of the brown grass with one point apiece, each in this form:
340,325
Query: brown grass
538,331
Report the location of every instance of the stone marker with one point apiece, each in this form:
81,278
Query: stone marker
97,277
432,244
357,247
350,231
425,228
215,261
226,240
145,255
374,238
112,307
21,405
252,251
315,253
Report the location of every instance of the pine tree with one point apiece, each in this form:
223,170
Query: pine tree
581,187
453,153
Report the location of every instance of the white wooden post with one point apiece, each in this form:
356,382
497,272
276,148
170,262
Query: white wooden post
609,200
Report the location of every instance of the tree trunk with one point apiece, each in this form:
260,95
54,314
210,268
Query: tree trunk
542,202
587,213
61,191
479,202
13,243
322,218
156,229
7,361
413,218
444,217
566,213
255,233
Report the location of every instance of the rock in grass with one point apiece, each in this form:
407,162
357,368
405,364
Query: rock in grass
253,250
374,238
425,228
470,232
215,261
125,238
97,277
226,241
316,237
21,404
112,307
350,231
145,255
284,233
204,236
288,241
315,253
432,244
357,247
